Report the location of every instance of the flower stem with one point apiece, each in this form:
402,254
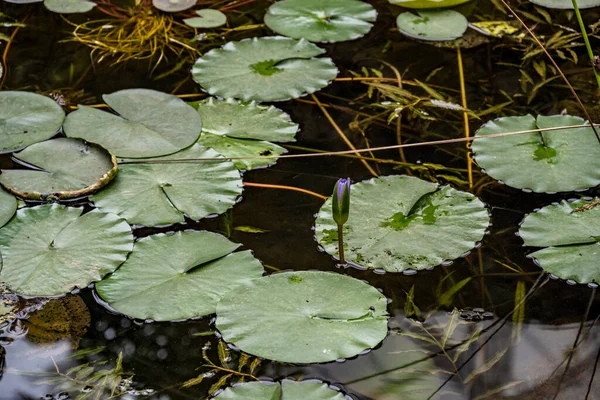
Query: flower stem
586,40
341,244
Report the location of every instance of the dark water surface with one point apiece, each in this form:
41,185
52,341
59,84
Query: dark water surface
525,351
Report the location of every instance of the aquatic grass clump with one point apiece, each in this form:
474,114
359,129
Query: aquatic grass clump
138,34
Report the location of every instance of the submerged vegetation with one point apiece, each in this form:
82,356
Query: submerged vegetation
137,199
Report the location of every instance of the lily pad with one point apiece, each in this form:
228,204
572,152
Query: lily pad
66,168
152,193
303,317
550,161
566,4
321,20
51,249
208,18
428,3
8,207
286,389
272,68
150,124
398,223
27,118
187,271
570,235
237,129
432,25
69,6
173,5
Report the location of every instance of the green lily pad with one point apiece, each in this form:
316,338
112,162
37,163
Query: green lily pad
188,271
69,6
150,124
570,235
154,193
237,129
434,25
27,118
68,168
51,249
208,18
551,161
271,68
400,223
303,317
286,389
173,5
8,207
428,3
566,4
321,20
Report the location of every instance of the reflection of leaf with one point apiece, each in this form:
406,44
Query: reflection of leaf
486,366
449,331
465,346
497,390
519,315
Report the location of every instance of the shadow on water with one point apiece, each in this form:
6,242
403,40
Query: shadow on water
508,332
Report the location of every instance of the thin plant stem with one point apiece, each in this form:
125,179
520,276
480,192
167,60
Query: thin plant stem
341,133
463,95
7,48
293,188
562,75
341,244
586,40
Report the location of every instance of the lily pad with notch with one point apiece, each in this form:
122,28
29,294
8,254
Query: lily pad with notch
193,268
153,192
207,18
566,4
49,250
27,118
149,124
569,234
400,223
63,168
435,25
321,20
69,6
286,389
237,129
559,160
303,317
8,207
273,68
419,4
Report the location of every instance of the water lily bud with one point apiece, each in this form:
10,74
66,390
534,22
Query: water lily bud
341,201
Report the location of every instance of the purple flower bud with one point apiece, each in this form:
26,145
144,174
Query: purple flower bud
341,201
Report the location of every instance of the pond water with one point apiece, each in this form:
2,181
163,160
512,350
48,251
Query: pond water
491,325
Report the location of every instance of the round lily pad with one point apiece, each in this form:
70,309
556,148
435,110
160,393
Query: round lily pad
550,161
65,168
69,6
237,129
51,249
272,68
173,5
566,4
149,124
321,20
432,25
8,206
398,223
286,389
569,233
188,271
207,18
27,118
428,3
303,317
154,193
